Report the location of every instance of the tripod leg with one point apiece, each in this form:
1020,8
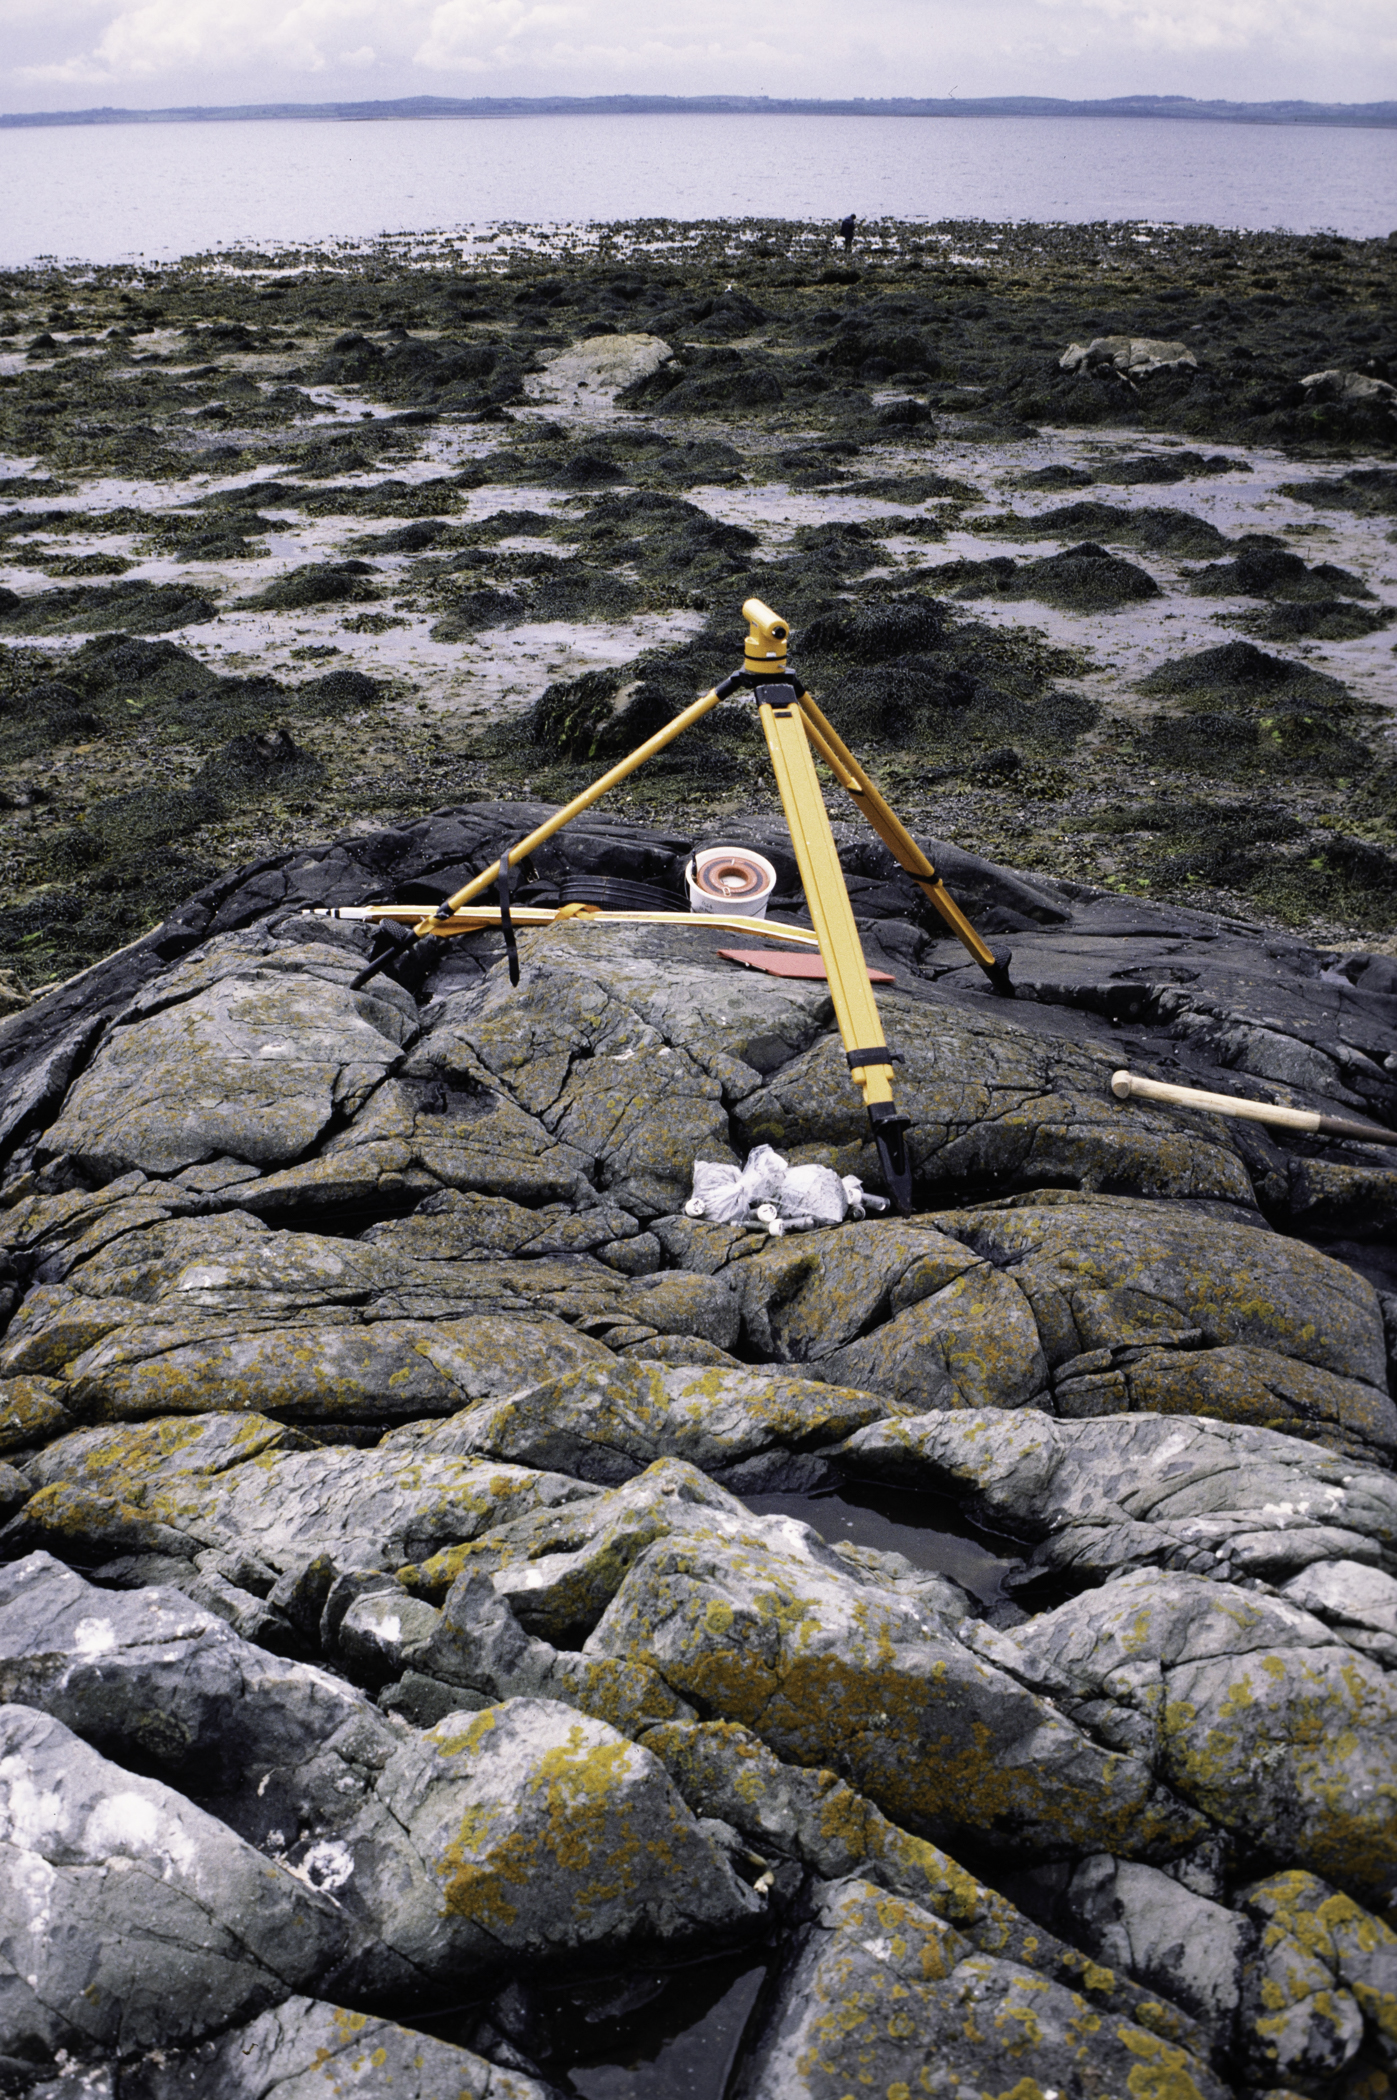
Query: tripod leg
855,1008
901,844
488,876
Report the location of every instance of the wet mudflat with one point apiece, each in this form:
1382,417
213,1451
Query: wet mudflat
300,542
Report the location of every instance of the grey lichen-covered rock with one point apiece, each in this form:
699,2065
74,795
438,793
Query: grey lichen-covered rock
457,1226
30,1412
146,1675
542,1831
834,1665
1087,1307
308,2050
237,1052
484,1459
385,1632
1209,1498
607,1422
246,1482
130,1917
476,1643
726,1771
1108,1272
588,1055
561,1568
1151,1926
175,1313
1358,1950
945,1326
305,1768
991,1102
1359,1602
1246,1705
883,1996
1275,2003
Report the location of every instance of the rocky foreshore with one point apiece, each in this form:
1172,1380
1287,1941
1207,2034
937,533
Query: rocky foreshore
468,1626
440,1615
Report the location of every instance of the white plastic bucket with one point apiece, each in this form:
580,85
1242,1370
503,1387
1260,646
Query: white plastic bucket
734,879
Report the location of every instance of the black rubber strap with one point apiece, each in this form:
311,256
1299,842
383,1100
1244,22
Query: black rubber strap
506,923
881,1056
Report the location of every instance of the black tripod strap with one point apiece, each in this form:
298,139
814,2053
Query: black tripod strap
506,923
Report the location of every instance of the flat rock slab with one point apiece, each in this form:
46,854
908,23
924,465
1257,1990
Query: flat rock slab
240,1481
608,1422
590,373
142,1920
243,1057
308,2050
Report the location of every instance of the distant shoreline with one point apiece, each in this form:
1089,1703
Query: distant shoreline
1177,108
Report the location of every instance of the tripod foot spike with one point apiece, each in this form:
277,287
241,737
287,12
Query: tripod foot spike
384,962
1001,984
890,1136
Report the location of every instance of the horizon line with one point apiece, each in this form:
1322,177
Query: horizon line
438,107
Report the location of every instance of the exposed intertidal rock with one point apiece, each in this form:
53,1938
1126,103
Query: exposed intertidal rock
240,1483
437,1572
525,1829
881,1989
1255,1710
1206,1497
608,1422
133,1918
307,2050
832,1664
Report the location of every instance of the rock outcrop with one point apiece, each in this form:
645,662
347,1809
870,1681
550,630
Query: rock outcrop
438,1571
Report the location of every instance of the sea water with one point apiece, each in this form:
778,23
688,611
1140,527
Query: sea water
104,193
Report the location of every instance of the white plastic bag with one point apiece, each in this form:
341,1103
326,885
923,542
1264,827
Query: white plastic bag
813,1192
764,1174
767,1192
727,1195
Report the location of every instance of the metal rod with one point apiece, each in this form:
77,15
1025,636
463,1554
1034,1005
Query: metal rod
476,918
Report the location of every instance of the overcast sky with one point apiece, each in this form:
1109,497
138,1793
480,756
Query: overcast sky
74,54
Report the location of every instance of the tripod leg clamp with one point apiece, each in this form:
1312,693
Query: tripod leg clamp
856,1059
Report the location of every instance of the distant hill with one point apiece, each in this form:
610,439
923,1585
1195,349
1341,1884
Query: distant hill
1176,107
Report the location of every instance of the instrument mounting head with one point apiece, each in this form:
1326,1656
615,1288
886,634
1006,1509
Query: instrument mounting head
767,634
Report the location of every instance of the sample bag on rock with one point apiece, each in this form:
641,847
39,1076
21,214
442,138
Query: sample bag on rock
768,1192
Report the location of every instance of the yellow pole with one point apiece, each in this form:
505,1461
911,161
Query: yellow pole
855,1009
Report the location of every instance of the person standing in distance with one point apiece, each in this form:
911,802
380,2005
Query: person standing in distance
846,228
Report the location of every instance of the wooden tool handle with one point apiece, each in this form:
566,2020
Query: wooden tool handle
1124,1084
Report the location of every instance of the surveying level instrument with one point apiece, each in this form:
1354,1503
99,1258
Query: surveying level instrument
795,732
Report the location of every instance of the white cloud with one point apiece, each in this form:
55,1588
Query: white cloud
232,50
474,35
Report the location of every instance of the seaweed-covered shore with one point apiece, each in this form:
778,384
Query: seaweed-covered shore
305,542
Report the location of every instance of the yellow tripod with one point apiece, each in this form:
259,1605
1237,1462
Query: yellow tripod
795,730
